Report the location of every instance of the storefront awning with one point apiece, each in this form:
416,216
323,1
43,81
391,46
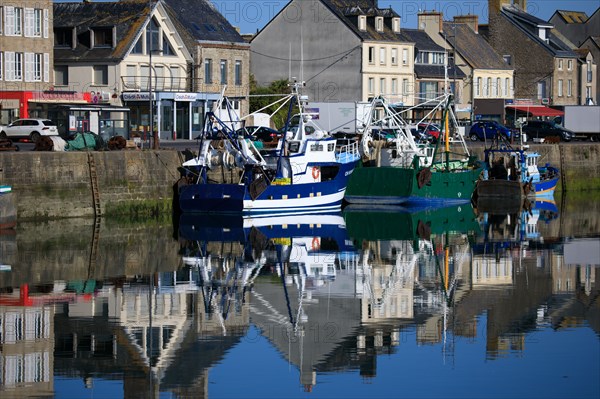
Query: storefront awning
536,110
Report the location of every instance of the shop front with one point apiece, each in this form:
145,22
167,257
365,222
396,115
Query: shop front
176,115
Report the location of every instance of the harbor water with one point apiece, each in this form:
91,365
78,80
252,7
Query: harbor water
455,302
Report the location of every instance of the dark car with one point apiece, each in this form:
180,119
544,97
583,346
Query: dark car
543,129
489,130
261,133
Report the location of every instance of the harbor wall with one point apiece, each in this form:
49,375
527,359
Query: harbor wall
49,185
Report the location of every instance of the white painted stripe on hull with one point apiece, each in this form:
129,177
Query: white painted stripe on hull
293,203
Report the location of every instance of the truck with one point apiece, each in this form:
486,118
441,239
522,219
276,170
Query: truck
348,118
583,120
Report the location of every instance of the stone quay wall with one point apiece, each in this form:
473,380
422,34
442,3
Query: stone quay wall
50,185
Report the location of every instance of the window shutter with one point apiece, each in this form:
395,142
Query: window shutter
46,18
9,20
9,58
28,22
28,67
1,66
46,67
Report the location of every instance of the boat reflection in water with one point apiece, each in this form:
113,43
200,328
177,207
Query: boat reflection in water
95,306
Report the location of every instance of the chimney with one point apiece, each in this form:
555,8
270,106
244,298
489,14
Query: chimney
471,20
495,6
431,21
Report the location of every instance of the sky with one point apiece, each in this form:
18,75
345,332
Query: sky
252,15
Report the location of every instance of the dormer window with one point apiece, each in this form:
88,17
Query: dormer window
379,24
396,25
542,34
103,37
362,22
63,37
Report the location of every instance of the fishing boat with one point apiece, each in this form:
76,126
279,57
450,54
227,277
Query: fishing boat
515,173
402,171
306,172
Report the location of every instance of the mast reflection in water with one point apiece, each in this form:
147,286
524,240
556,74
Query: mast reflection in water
306,303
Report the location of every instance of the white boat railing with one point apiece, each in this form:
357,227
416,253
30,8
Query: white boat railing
348,153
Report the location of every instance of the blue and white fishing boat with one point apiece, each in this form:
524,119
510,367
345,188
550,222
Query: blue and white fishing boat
306,172
516,173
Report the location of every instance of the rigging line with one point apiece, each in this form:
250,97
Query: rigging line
304,60
332,64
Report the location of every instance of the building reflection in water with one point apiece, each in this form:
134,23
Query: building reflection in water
330,292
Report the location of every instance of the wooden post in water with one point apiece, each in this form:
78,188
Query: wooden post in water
563,174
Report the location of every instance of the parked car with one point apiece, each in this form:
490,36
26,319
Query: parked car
543,129
30,128
430,129
262,133
488,130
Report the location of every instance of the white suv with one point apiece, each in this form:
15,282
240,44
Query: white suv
29,128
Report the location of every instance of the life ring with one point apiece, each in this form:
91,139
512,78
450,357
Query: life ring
316,173
316,244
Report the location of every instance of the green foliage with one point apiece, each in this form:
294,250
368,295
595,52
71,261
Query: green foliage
277,89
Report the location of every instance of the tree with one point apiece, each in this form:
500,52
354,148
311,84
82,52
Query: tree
278,89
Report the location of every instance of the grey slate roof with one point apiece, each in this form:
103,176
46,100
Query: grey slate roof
127,16
473,48
349,10
421,40
203,21
528,24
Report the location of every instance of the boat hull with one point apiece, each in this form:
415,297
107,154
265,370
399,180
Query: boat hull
287,198
395,185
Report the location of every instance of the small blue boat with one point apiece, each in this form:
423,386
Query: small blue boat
307,172
516,173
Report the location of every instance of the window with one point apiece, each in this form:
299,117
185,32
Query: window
428,90
238,73
208,70
560,65
101,75
371,55
382,51
382,88
1,23
422,57
379,24
405,87
507,59
394,86
33,67
589,71
371,85
394,56
570,88
18,66
560,87
404,56
13,63
541,90
103,37
166,46
138,48
1,54
507,87
63,37
478,87
396,25
37,22
498,87
13,22
176,81
488,86
362,22
223,72
61,75
152,36
570,65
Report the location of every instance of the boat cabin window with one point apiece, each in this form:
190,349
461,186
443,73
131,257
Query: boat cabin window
294,146
316,147
330,147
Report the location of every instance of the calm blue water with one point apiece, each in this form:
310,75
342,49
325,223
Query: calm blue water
387,303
